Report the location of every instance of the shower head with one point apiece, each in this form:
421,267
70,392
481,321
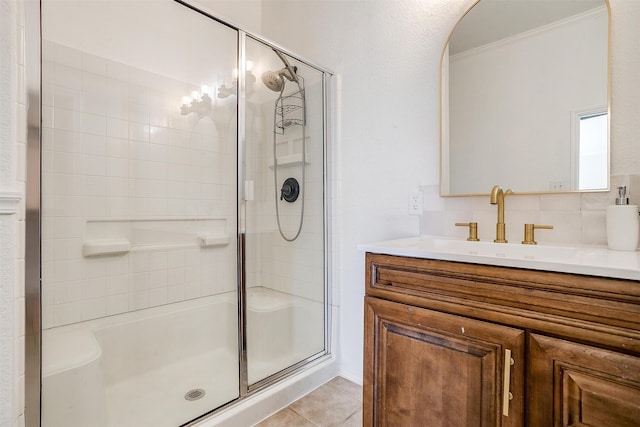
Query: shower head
274,80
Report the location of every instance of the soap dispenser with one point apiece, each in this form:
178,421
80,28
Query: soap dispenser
623,223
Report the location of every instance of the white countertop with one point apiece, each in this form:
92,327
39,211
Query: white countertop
589,260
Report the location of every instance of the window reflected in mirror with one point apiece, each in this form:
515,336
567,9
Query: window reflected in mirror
593,173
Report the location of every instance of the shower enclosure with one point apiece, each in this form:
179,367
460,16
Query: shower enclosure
183,211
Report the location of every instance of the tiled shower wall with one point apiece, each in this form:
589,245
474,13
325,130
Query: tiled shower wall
13,138
297,267
116,150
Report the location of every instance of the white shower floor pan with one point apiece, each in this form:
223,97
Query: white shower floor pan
134,369
157,398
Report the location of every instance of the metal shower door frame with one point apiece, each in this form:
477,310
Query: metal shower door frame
33,313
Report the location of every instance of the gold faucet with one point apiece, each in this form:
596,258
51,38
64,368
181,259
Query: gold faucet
473,230
497,198
529,238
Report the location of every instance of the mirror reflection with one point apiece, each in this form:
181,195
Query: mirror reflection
525,98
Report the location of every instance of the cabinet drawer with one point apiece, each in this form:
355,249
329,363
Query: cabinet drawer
583,308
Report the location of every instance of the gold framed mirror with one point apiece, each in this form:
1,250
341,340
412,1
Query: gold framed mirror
525,98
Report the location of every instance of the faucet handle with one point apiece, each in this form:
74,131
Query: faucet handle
473,230
529,238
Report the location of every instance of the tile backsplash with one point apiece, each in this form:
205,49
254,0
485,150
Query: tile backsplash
577,218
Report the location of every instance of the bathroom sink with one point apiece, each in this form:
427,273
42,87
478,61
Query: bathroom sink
505,250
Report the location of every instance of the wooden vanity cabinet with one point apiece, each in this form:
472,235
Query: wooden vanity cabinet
456,344
436,369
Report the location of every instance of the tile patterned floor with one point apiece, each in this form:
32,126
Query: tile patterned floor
337,403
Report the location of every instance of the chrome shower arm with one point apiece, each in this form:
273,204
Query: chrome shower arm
292,71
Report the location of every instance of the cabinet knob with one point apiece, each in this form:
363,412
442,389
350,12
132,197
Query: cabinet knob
529,238
473,230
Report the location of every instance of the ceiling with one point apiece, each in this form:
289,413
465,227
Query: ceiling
492,20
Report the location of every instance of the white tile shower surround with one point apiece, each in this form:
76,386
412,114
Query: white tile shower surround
298,267
116,148
115,165
12,212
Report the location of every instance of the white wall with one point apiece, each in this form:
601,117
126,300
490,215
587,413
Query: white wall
246,14
388,57
177,43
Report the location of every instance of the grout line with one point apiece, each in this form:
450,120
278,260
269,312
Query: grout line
302,416
335,389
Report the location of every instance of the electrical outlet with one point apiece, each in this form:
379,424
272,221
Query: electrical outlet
415,203
556,185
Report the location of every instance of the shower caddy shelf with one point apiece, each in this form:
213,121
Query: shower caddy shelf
120,236
290,111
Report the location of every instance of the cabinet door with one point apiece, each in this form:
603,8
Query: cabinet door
427,368
572,384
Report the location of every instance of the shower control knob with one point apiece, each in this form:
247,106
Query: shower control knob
290,190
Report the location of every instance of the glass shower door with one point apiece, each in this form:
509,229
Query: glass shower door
284,211
139,214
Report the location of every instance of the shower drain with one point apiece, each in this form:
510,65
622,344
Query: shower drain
195,394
